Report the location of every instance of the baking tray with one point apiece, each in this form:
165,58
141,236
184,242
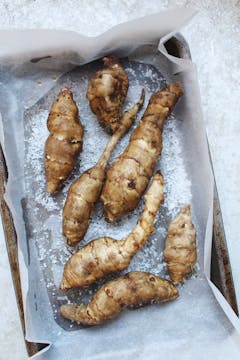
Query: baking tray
221,274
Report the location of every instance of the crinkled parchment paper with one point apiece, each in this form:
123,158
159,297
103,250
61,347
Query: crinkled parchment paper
200,323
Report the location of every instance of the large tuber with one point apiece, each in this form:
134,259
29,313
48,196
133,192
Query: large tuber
133,289
128,176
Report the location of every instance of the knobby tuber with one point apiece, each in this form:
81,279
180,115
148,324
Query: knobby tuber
85,191
65,140
107,92
129,175
180,248
133,289
106,255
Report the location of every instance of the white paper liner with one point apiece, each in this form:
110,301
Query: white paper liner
196,325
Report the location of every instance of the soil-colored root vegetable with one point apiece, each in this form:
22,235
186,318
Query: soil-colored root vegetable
128,176
106,255
133,289
107,92
64,143
180,248
85,191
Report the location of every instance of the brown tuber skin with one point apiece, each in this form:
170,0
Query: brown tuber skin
64,143
107,92
85,191
133,289
180,248
128,176
106,255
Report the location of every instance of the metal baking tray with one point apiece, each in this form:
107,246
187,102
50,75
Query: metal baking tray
221,274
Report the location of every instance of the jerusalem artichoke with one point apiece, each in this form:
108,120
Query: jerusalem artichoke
106,255
107,92
133,289
180,248
64,143
85,191
129,175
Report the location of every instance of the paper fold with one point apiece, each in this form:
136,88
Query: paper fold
37,43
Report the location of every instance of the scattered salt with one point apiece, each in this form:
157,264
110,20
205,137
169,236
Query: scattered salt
44,210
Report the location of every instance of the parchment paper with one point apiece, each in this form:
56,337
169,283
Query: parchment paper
200,323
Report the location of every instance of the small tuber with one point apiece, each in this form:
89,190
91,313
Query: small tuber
107,92
180,248
128,176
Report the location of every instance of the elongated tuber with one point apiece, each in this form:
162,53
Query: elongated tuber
106,255
107,92
129,175
64,143
85,191
133,289
180,248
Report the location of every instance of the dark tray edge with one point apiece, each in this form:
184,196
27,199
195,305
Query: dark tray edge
221,272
